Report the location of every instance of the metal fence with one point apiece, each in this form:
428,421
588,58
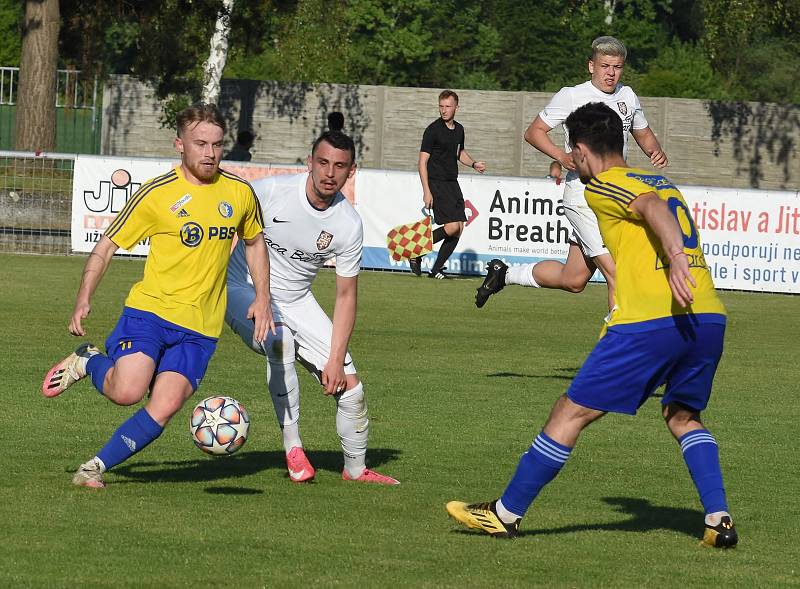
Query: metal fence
78,123
35,202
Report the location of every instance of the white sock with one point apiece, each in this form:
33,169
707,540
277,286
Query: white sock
713,519
521,274
504,514
284,389
100,464
352,425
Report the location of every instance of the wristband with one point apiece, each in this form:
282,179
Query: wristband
472,165
676,253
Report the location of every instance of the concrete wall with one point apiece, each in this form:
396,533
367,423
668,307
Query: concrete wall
730,145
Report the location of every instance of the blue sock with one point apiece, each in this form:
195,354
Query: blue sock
537,467
132,436
701,454
97,367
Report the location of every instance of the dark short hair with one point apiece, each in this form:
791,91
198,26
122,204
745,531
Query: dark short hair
448,94
338,140
335,121
596,126
199,113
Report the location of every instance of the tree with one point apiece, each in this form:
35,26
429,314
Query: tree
218,54
36,114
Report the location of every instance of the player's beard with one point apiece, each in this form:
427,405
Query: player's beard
203,172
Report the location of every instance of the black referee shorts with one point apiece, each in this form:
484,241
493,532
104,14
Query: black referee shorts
448,202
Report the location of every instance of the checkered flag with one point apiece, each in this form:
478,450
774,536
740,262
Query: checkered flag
410,241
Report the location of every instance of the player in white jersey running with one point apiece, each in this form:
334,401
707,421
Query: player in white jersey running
586,249
308,221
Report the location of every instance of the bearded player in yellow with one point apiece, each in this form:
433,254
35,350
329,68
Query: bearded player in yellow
172,319
668,329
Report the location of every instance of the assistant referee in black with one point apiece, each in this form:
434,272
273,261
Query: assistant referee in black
442,149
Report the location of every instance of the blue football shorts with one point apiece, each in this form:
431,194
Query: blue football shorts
626,366
171,348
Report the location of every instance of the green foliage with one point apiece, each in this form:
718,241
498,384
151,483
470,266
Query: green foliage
733,49
11,12
680,70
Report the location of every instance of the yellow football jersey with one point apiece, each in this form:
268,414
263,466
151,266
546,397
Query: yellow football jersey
190,228
642,291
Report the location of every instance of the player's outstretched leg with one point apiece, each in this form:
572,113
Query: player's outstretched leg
483,517
69,371
493,283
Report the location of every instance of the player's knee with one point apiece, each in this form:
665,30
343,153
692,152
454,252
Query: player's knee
574,284
352,402
279,346
123,393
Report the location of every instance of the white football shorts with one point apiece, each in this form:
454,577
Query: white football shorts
310,327
585,230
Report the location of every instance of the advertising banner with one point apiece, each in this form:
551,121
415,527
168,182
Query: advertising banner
751,238
517,219
102,185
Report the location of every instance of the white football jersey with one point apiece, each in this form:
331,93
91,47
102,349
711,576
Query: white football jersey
301,238
622,101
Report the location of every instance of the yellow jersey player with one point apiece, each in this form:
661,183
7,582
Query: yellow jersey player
172,318
668,330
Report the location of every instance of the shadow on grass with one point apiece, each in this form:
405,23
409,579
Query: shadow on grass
643,517
569,374
247,463
232,491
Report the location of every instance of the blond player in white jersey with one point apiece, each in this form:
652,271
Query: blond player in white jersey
586,249
308,221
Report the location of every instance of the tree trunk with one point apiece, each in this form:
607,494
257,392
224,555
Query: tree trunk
36,102
218,54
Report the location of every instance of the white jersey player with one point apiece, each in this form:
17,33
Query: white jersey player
586,252
307,221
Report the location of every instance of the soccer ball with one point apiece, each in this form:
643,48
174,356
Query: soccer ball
219,425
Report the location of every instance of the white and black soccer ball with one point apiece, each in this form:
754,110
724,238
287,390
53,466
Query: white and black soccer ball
219,425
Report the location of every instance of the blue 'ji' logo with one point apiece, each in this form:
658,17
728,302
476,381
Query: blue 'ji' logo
225,209
191,234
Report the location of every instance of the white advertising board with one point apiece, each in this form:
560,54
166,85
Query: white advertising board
751,238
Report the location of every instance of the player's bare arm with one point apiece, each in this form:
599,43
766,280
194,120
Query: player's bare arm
657,215
260,311
537,135
344,320
427,196
648,142
466,159
96,265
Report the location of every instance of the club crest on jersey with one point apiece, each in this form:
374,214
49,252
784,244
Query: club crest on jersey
225,209
191,234
181,201
623,108
324,240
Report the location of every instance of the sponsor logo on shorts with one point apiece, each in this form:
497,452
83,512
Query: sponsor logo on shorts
324,240
181,201
225,209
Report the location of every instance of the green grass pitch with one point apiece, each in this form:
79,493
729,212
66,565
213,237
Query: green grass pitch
455,394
